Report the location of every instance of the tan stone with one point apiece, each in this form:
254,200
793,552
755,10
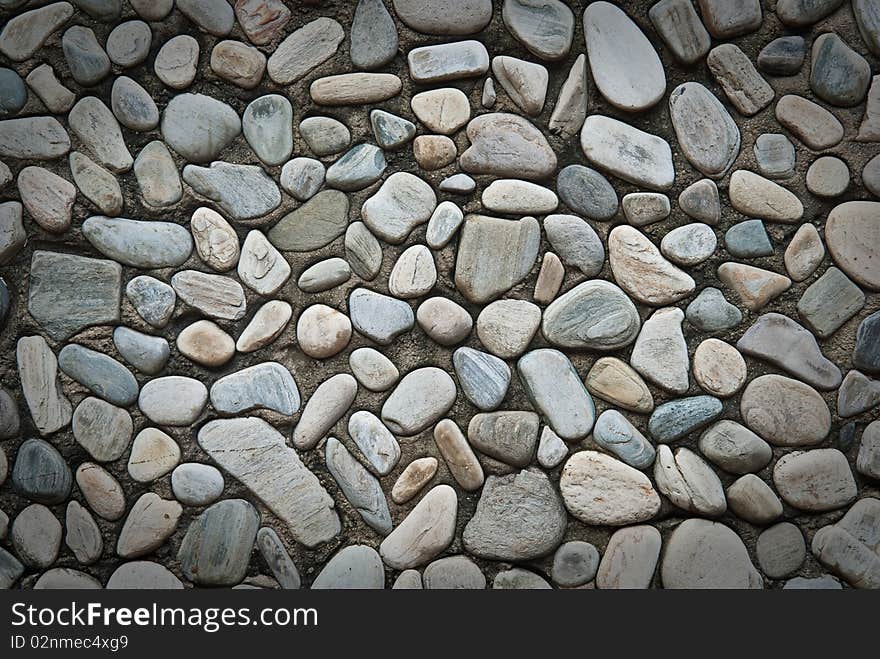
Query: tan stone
719,368
617,382
459,455
416,475
322,331
205,343
754,286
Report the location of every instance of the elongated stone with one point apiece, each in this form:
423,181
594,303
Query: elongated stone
785,412
102,429
214,295
641,270
425,532
615,433
25,32
735,448
139,244
421,398
38,138
305,49
355,88
449,61
458,455
327,405
673,420
681,29
504,144
745,88
571,104
618,383
689,482
374,440
809,122
267,385
359,486
217,546
627,152
38,371
752,194
484,378
555,389
707,134
660,352
173,400
595,315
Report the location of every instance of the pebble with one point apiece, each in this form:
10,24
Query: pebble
701,201
856,257
86,60
47,198
12,235
865,356
677,418
458,455
555,389
10,568
705,554
102,429
643,208
196,484
747,91
96,184
217,546
847,548
302,178
215,240
391,132
489,96
102,492
358,168
261,267
204,343
627,152
641,270
545,29
424,533
274,474
266,385
801,13
443,224
506,327
9,426
508,436
242,191
690,244
448,61
524,82
326,406
150,522
316,223
40,473
267,125
157,176
631,78
39,138
421,397
359,486
869,131
356,567
36,536
616,434
355,88
753,500
775,155
454,573
519,517
324,275
586,192
613,380
828,177
375,441
838,74
598,489
735,448
141,575
868,21
551,449
433,152
809,122
128,44
857,394
829,302
755,287
82,536
726,19
176,62
150,10
413,479
748,240
261,20
153,300
447,17
275,554
816,480
785,412
519,579
752,194
240,64
372,369
139,244
549,279
707,134
214,295
442,111
868,458
781,550
507,145
57,98
173,400
99,373
153,454
26,32
379,317
780,341
483,378
576,242
414,273
373,35
458,184
515,197
719,368
660,353
325,136
494,255
825,582
689,482
212,16
13,95
199,127
630,558
783,56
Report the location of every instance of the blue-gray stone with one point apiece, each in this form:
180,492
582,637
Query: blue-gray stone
557,391
5,303
268,386
86,59
391,131
319,221
576,243
710,312
359,486
484,378
866,355
846,438
677,418
574,564
615,433
140,244
275,554
379,317
829,302
358,168
10,569
104,10
748,240
783,56
13,93
146,353
41,474
858,393
839,75
100,374
586,192
153,300
373,35
216,549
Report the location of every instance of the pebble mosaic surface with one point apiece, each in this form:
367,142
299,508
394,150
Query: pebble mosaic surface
439,294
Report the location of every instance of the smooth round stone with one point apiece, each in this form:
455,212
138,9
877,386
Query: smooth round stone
356,567
408,580
157,176
360,167
506,327
379,317
616,434
421,398
689,482
199,127
47,198
444,223
707,134
36,536
644,208
458,184
444,321
266,325
866,355
753,500
507,145
132,106
434,152
624,64
213,16
40,473
574,564
99,373
153,454
775,155
445,17
62,578
139,575
783,56
373,369
735,448
519,579
828,177
322,331
102,492
454,573
816,480
484,378
508,436
128,44
677,418
710,312
239,63
325,135
324,275
414,273
546,28
752,194
586,192
690,244
719,368
576,242
809,122
704,554
102,429
302,177
852,233
597,489
86,60
617,382
267,125
206,344
196,484
838,74
596,315
173,401
152,10
785,412
13,93
176,62
442,111
701,201
630,558
218,544
417,474
781,550
641,270
373,35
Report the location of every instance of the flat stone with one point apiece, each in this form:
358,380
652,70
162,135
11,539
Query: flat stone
128,44
551,449
143,575
643,208
597,489
153,300
356,567
96,127
856,256
690,244
265,326
848,547
275,554
707,134
213,16
705,554
781,550
443,224
719,368
374,440
735,448
785,412
828,177
681,29
838,74
753,500
242,191
442,111
373,35
157,176
102,429
801,13
267,385
454,573
96,184
752,194
504,144
9,426
327,405
150,522
484,378
359,168
630,558
425,532
576,242
362,251
176,62
433,152
784,56
627,152
868,458
199,127
857,394
324,135
372,369
677,418
101,491
869,131
506,327
755,287
449,61
747,91
519,579
826,582
217,546
47,197
574,564
632,77
809,122
546,29
549,279
379,317
403,202
586,192
82,536
238,63
775,155
196,484
316,223
640,269
355,88
689,482
267,125
866,357
99,373
524,82
413,479
36,536
615,381
214,295
204,343
57,98
38,138
868,20
391,132
731,18
458,455
516,197
829,302
86,60
660,352
458,184
420,398
359,486
153,454
507,436
800,355
616,434
140,244
173,400
701,201
302,178
324,275
518,517
14,94
261,267
446,17
816,480
24,34
555,389
40,473
215,240
748,240
261,20
304,50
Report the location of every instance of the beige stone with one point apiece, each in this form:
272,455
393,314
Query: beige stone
617,382
417,474
719,368
458,454
322,331
205,343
